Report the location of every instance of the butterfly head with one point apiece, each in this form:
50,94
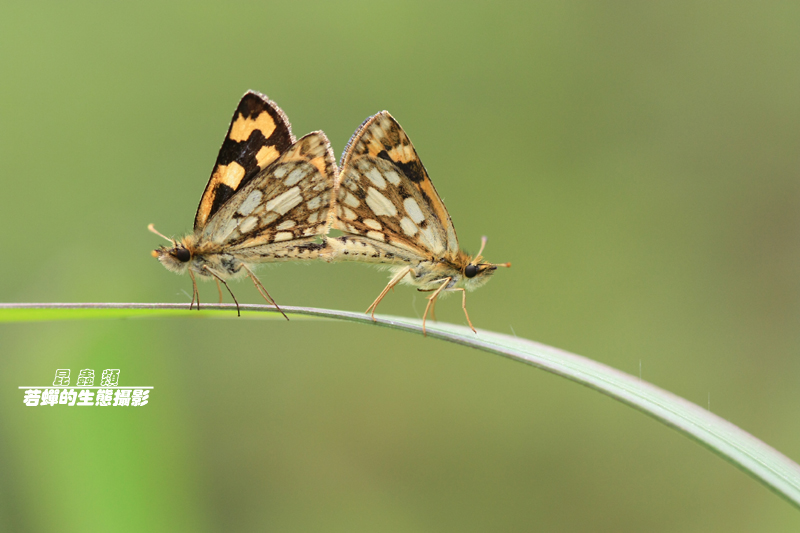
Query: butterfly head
176,257
478,271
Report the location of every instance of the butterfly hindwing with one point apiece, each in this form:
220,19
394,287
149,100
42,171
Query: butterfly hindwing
259,133
385,194
288,200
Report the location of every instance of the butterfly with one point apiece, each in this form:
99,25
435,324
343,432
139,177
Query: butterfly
391,215
268,199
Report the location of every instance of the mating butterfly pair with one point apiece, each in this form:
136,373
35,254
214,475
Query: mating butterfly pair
274,198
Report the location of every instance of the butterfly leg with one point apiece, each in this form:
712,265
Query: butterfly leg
219,290
195,292
394,281
432,302
433,307
464,307
218,278
263,291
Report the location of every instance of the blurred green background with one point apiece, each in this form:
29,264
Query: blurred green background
637,162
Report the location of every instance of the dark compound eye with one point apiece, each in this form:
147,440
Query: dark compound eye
471,271
181,254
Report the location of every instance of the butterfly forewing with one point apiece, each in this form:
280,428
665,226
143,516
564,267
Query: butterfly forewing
259,133
288,200
385,193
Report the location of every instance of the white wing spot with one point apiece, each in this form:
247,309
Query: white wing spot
314,203
247,224
295,176
286,201
413,210
373,224
379,204
286,224
409,228
385,123
346,213
351,200
392,176
313,217
283,236
426,236
281,171
269,218
226,230
376,235
251,202
375,177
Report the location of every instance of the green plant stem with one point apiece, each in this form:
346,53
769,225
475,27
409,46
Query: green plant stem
777,472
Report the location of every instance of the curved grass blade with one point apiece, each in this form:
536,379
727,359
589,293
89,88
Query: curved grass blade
773,469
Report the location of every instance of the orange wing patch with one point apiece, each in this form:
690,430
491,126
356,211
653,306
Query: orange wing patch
230,175
242,127
266,156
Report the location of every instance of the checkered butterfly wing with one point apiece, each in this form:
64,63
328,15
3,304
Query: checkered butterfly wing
259,133
290,199
384,192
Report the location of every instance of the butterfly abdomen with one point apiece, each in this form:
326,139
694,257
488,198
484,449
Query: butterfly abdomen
354,248
297,251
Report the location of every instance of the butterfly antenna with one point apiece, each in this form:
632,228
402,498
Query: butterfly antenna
154,230
483,245
479,257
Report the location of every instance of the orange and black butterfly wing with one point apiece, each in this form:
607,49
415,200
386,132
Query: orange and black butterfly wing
258,135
